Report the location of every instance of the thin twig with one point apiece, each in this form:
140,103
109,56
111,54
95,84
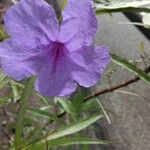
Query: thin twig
115,87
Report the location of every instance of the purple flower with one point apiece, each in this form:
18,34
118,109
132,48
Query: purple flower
60,56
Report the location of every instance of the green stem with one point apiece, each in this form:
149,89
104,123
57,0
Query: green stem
22,110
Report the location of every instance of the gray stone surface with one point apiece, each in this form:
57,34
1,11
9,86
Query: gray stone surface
129,114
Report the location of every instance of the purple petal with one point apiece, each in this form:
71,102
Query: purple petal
85,26
54,78
31,22
89,64
12,61
68,29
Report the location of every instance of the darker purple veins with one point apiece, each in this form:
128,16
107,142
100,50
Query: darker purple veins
58,50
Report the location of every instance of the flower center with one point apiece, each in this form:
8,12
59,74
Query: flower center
58,51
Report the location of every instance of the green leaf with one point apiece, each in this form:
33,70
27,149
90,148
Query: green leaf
4,101
75,127
2,77
15,93
22,110
43,113
131,67
66,142
90,105
68,107
4,80
70,129
77,100
134,6
44,100
3,34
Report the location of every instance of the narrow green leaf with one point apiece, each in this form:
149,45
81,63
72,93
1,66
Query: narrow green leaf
128,9
68,107
2,77
4,80
75,127
43,113
3,34
70,129
4,101
77,100
114,7
66,142
90,105
44,100
22,110
15,93
131,67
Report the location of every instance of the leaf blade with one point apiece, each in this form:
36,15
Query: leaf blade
127,6
70,130
67,142
68,107
22,110
131,67
43,113
75,128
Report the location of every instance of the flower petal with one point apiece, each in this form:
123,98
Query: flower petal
68,29
54,78
31,22
85,26
12,61
89,64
